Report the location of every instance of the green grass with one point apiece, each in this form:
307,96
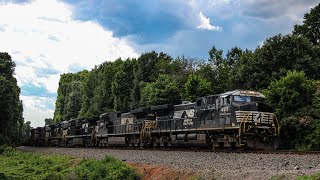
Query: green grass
15,164
311,177
305,177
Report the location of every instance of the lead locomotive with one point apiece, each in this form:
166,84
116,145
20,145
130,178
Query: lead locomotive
233,119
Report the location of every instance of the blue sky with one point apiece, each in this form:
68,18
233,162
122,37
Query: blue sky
49,37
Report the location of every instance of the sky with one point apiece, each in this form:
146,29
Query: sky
46,38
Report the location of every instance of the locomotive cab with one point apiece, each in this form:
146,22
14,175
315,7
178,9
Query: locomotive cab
258,126
109,123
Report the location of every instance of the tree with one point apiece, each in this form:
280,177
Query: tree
182,67
121,92
311,26
163,91
218,70
234,56
47,121
11,109
290,93
73,104
243,68
147,66
70,95
135,91
7,66
196,87
215,56
297,102
277,56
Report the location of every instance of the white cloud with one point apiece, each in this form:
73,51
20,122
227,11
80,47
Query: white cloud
42,35
36,110
50,83
205,24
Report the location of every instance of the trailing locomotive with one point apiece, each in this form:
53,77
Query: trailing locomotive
229,120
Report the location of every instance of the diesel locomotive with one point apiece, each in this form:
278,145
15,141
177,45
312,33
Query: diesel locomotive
234,119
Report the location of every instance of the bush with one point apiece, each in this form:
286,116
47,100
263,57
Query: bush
53,176
3,140
3,176
290,93
297,101
108,168
7,150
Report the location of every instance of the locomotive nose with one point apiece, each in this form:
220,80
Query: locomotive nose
247,106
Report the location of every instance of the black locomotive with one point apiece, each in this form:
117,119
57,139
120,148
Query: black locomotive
230,120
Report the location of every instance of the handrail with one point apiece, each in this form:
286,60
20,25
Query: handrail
244,118
246,122
278,126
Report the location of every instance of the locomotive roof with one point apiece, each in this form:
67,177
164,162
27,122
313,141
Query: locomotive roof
242,93
92,118
52,126
104,114
184,106
161,107
108,114
140,110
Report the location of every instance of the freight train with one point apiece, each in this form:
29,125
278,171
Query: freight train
234,119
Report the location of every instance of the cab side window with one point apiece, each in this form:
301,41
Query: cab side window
199,102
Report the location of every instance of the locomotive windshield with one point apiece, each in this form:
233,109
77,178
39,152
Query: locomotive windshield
242,98
247,99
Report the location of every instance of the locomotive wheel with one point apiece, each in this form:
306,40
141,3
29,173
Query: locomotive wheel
70,143
87,142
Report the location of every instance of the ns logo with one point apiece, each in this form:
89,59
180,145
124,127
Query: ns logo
187,115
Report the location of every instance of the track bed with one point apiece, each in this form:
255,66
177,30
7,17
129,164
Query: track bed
221,165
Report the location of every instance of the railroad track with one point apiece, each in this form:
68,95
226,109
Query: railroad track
239,151
269,152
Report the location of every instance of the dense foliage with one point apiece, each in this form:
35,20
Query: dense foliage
11,120
163,91
25,165
310,27
295,99
108,168
285,67
122,85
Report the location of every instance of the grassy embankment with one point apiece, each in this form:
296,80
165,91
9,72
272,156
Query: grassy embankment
15,164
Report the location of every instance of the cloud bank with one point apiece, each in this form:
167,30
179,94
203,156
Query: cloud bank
44,40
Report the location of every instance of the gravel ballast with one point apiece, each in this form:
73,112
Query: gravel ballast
206,164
